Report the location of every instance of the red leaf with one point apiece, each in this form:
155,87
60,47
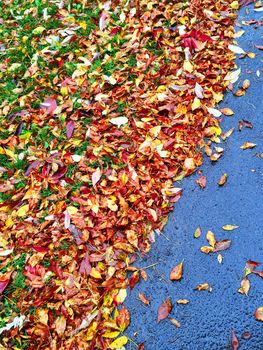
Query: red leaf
164,310
259,273
234,341
4,280
134,279
70,128
141,346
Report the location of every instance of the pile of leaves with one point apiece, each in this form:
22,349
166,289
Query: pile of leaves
103,106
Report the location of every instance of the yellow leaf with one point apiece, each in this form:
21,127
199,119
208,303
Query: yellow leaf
22,210
196,104
72,210
188,67
95,273
119,342
113,334
229,227
9,222
9,153
248,145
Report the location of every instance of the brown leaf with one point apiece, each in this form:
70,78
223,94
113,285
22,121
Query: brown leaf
123,319
144,299
222,180
144,275
248,145
203,286
227,111
177,272
164,310
259,314
240,92
234,341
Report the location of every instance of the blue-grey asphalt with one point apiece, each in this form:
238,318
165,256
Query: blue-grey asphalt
209,318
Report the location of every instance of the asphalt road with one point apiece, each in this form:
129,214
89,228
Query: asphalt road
208,319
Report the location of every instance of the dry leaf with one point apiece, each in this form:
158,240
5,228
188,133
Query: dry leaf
229,227
248,145
177,272
164,310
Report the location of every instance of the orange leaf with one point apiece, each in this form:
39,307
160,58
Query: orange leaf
144,299
177,272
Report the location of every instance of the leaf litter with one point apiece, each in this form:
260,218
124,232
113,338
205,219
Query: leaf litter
105,106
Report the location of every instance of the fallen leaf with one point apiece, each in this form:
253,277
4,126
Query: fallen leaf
70,128
177,272
248,145
4,280
207,249
246,84
96,175
203,286
222,245
197,232
234,341
119,121
119,342
222,180
144,299
227,111
201,181
134,279
244,286
123,319
199,91
164,310
259,314
215,112
236,49
211,238
60,325
229,227
175,322
182,301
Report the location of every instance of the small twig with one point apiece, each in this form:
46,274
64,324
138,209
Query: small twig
133,342
149,266
160,275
